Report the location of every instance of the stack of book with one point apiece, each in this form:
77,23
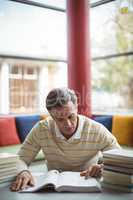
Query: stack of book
8,168
118,170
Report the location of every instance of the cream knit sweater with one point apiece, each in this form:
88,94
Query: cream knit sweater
74,154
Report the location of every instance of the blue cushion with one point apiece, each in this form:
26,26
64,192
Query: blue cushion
24,124
105,120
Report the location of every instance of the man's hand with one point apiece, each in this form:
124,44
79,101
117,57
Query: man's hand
93,170
22,180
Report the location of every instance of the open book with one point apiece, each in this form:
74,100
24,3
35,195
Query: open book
64,181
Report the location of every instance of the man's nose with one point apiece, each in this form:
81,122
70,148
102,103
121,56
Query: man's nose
68,123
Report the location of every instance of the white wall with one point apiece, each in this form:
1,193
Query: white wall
42,87
4,88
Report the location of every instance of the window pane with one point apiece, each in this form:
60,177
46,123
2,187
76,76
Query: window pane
112,85
111,31
30,70
27,92
14,70
32,31
112,80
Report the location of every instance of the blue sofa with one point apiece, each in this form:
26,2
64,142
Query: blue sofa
13,130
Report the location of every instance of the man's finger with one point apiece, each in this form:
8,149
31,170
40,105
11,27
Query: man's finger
99,172
96,171
32,182
83,173
88,172
93,171
18,184
13,186
24,183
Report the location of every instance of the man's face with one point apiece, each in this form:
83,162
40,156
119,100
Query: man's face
66,118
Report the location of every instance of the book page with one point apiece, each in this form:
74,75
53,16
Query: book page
51,177
74,181
42,180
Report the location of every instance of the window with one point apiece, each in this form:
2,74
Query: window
32,31
33,42
112,58
28,90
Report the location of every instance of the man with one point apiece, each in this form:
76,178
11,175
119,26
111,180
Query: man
69,141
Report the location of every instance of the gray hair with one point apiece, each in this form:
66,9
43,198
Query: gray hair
59,97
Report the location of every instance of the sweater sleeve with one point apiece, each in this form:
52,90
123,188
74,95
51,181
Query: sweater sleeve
107,139
30,147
